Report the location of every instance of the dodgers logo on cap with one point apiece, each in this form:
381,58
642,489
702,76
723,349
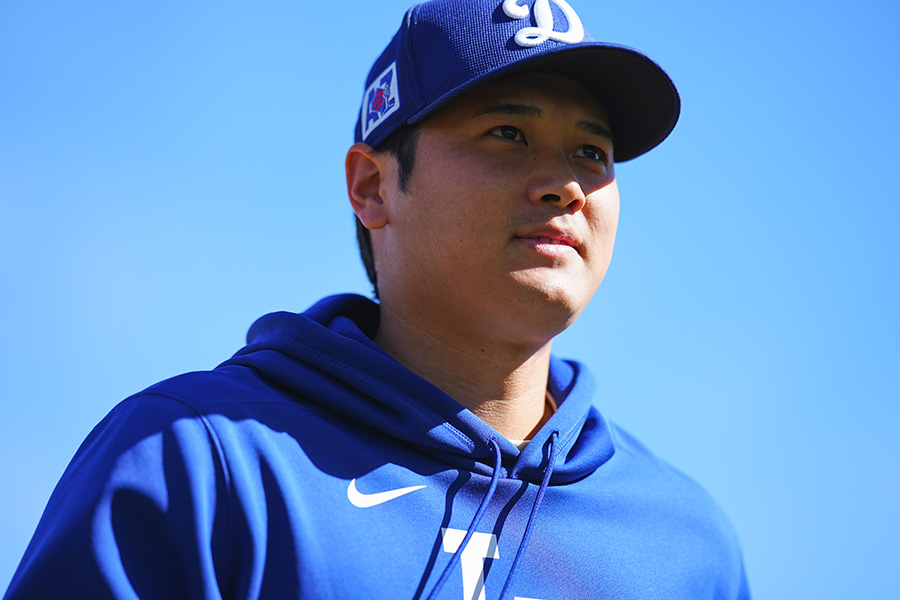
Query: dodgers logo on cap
381,100
528,37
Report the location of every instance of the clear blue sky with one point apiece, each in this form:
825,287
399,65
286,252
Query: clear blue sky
169,171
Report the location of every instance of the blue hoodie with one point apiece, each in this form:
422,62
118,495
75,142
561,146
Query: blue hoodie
313,465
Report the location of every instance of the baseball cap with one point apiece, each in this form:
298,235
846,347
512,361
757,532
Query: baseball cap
447,47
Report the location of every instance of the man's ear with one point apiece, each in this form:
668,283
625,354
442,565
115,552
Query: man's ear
366,172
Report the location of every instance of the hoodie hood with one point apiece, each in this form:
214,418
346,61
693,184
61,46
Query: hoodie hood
327,356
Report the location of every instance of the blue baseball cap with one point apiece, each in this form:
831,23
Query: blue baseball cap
447,47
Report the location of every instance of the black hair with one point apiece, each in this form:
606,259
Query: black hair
402,145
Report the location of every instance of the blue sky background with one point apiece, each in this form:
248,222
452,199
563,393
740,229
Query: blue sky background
170,171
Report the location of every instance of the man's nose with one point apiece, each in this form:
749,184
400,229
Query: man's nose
556,183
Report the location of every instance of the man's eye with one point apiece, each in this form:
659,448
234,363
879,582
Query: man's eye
508,132
592,153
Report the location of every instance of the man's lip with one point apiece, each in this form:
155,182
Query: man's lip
551,236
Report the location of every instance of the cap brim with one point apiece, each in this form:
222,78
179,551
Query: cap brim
642,102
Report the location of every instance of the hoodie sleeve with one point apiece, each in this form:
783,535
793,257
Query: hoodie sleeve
140,512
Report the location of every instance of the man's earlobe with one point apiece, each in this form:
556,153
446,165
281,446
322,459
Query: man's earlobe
365,174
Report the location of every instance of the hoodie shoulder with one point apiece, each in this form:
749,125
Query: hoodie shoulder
204,390
659,484
647,464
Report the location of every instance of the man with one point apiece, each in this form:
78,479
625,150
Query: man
427,446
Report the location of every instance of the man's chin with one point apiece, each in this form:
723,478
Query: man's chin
557,300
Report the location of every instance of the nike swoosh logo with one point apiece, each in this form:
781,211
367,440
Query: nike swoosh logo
361,500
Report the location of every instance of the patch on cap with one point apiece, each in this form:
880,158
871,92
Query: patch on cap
381,100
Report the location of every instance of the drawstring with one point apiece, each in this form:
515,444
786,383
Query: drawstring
495,478
554,446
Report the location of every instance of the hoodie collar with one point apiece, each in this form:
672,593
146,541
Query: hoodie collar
326,356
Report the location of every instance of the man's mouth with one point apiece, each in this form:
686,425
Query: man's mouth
562,240
550,241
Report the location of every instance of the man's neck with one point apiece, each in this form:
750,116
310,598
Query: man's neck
502,384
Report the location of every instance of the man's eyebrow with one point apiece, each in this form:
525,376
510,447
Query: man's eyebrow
521,110
595,128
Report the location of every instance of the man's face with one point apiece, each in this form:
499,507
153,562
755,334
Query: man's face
509,218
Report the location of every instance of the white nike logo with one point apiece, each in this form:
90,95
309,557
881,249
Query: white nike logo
361,500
